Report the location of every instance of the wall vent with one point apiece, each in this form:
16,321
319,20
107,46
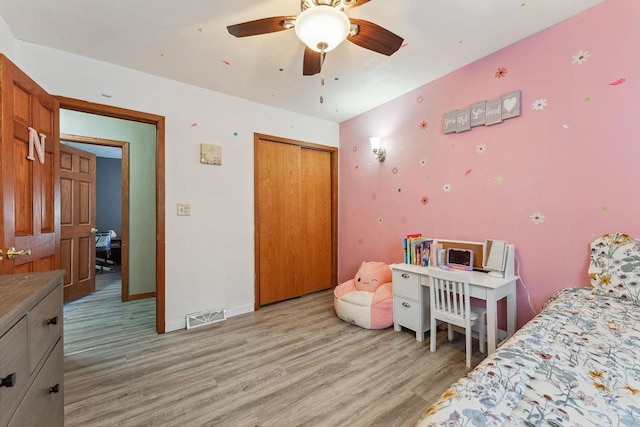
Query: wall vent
205,318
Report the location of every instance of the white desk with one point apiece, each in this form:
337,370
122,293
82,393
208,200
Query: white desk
490,289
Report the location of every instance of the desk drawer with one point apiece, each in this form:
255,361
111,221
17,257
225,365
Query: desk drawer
44,404
407,313
13,360
406,284
45,325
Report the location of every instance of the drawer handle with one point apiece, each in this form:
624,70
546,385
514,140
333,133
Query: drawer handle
54,389
406,304
8,381
405,276
52,321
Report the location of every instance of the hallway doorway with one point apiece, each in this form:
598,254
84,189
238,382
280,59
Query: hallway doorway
156,203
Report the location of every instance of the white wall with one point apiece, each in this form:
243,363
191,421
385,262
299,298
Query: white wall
7,41
210,254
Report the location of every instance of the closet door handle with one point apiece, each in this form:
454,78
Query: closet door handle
52,321
406,304
54,389
405,276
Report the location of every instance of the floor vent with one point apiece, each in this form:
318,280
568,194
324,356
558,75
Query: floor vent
205,318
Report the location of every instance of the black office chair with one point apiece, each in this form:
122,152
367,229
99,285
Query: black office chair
103,250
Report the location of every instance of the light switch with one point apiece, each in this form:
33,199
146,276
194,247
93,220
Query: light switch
184,209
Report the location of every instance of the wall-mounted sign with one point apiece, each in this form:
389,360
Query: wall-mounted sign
211,154
483,113
37,143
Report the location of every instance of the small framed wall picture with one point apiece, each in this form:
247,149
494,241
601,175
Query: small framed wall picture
511,105
464,124
450,121
493,112
210,154
478,114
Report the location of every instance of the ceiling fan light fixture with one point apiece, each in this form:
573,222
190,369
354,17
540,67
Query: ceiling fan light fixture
322,27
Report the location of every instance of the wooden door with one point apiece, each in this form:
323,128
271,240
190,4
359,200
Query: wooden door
77,221
30,189
315,220
296,217
279,221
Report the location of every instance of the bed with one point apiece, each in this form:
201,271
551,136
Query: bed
577,363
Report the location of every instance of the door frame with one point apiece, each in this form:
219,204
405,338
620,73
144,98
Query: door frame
159,122
124,195
333,151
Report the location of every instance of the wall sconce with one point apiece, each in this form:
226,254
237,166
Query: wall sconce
377,149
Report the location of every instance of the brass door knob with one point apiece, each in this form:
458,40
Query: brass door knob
93,229
12,252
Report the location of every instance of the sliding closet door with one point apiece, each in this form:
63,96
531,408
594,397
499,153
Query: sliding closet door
315,220
295,218
278,215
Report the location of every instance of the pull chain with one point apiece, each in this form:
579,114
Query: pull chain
322,48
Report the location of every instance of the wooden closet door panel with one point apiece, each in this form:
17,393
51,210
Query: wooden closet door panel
278,221
315,230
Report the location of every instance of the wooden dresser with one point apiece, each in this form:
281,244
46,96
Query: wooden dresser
31,349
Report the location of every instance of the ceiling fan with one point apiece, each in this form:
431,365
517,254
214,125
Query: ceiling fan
322,25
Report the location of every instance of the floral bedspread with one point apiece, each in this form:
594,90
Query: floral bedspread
575,364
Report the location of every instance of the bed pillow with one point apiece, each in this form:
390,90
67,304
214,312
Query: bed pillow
614,270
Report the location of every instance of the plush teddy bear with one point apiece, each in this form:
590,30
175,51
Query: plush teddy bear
366,300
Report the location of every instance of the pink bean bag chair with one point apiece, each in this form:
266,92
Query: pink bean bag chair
367,300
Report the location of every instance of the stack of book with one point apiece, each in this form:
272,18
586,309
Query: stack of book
416,249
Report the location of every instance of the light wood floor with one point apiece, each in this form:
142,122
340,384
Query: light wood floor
288,364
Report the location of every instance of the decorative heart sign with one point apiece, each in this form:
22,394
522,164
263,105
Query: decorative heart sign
483,113
509,103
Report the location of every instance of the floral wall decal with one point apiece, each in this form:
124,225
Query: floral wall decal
424,200
581,57
502,71
537,218
539,104
423,125
447,187
481,148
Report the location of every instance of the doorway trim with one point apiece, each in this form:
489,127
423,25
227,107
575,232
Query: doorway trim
159,122
124,214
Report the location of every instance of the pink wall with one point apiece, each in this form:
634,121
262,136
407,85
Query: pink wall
576,161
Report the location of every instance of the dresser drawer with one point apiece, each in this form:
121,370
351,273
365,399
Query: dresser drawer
45,325
13,360
44,404
407,313
406,284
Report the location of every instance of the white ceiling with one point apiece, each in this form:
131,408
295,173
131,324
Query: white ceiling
187,40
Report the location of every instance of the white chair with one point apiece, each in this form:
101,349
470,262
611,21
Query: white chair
450,302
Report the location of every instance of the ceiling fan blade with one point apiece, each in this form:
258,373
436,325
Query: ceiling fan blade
356,4
311,64
374,37
260,26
